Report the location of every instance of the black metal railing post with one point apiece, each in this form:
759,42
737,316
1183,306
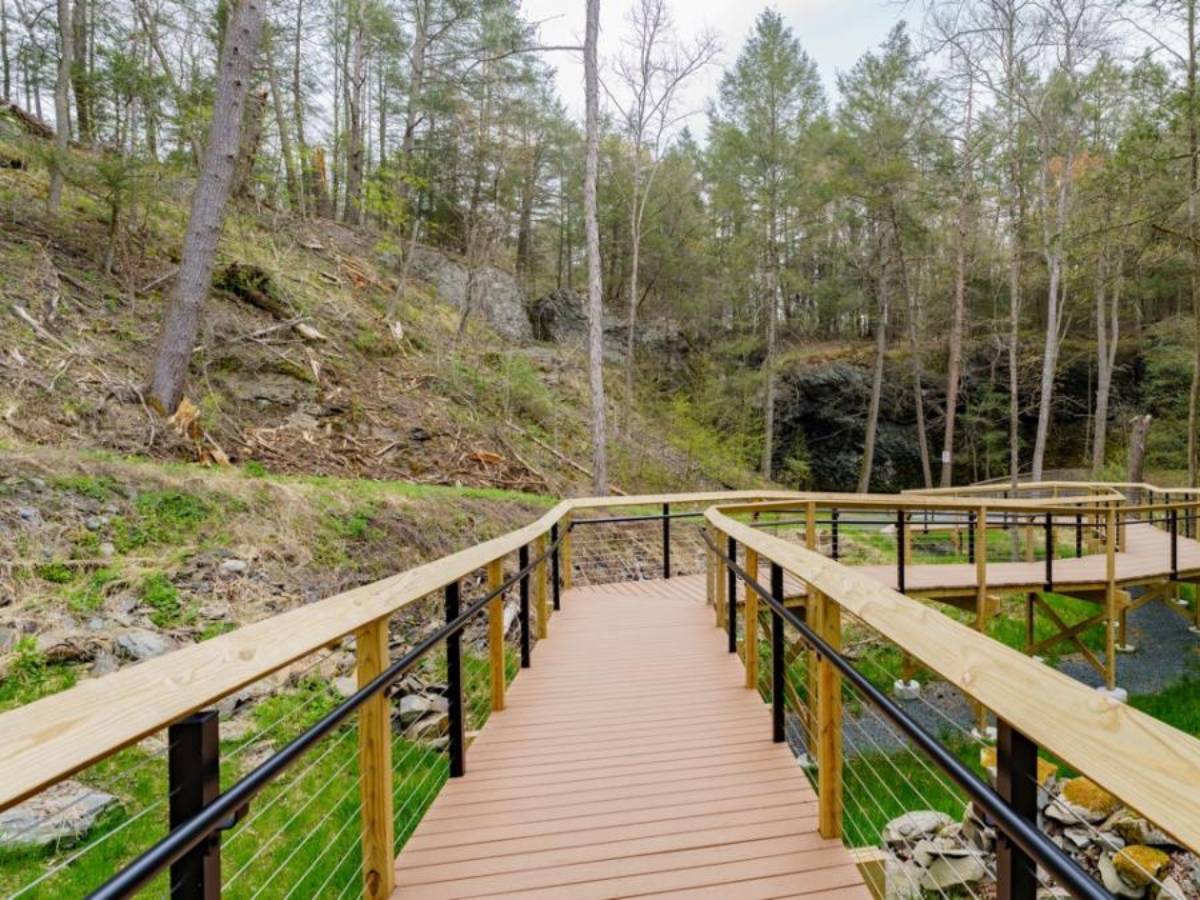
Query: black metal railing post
666,528
1049,526
731,596
833,534
901,529
1016,783
194,782
454,687
1174,518
778,663
554,577
523,563
971,537
1078,535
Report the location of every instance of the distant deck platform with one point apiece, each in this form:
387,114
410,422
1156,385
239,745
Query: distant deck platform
631,761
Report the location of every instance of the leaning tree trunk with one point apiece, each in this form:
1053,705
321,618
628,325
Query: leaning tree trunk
62,101
1139,432
592,227
178,338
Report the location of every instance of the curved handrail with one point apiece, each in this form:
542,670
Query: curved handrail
1136,757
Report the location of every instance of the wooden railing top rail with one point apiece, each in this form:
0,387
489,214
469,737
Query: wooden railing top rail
52,738
1112,487
1145,762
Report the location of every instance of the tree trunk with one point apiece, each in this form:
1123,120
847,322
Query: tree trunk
772,315
635,253
1139,431
958,315
868,458
320,184
62,101
1193,443
79,72
914,346
291,177
5,59
1106,361
355,120
592,227
243,174
306,170
178,337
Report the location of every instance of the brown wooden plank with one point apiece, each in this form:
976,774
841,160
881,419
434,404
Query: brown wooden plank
631,760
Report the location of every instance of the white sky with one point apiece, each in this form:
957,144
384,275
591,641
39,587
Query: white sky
833,32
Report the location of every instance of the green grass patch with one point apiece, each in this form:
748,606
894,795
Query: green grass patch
163,598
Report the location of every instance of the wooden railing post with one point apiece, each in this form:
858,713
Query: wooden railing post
495,577
541,592
810,526
751,627
829,719
375,764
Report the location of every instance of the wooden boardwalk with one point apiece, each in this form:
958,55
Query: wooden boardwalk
631,761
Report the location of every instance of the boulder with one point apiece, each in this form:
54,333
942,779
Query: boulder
1140,865
901,880
233,567
948,873
912,826
1133,829
60,815
497,294
1114,883
429,727
140,643
1082,800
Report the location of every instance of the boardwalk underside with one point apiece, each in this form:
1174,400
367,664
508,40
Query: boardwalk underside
631,761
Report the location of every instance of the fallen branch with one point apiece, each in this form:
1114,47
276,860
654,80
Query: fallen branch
562,457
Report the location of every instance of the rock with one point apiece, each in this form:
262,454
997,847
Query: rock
975,832
498,296
1171,888
232,567
63,646
901,880
913,826
413,707
1114,883
1081,838
139,644
29,515
347,685
216,611
104,664
60,815
1082,799
93,523
949,872
429,728
108,549
8,638
907,690
1133,829
1140,865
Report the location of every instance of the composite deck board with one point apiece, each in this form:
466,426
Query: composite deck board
630,761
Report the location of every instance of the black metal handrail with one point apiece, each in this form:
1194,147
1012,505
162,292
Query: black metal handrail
1017,828
230,805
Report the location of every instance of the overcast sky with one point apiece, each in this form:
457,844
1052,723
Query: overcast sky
833,32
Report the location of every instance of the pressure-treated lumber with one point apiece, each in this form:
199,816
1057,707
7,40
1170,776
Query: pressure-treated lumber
1139,759
541,589
375,764
495,577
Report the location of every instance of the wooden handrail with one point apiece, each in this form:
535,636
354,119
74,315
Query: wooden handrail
1146,762
52,738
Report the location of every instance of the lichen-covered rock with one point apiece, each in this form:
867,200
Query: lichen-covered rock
58,816
1134,829
1082,800
1114,883
912,826
1140,864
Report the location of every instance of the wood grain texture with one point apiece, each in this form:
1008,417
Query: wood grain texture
1143,761
375,764
604,778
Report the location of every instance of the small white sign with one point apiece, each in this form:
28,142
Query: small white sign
945,456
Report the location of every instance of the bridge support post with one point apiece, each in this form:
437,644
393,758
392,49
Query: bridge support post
495,577
778,663
829,719
540,583
194,781
751,628
1016,782
375,764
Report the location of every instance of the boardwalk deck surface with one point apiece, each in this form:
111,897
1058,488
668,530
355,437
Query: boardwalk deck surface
631,761
1146,558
